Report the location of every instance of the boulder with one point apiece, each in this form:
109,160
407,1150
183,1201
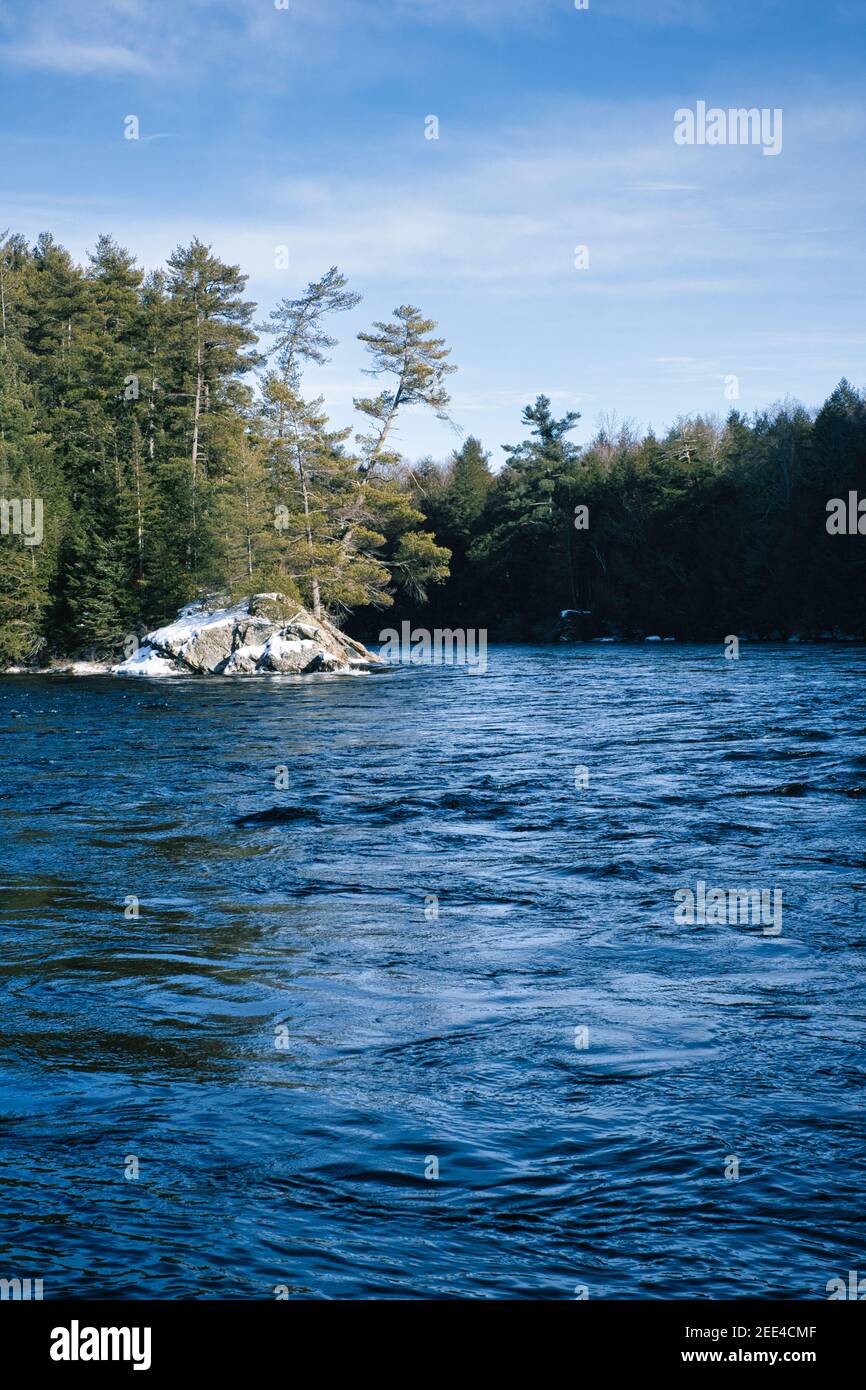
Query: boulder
266,634
243,661
287,655
274,608
209,649
251,632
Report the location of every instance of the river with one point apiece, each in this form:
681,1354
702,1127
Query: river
415,1017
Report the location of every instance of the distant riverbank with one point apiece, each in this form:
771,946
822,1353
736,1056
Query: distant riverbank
150,664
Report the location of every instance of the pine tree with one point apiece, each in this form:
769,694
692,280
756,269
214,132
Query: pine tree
525,551
404,349
241,511
312,483
30,513
209,330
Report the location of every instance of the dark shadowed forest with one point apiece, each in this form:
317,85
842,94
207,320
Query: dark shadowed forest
157,444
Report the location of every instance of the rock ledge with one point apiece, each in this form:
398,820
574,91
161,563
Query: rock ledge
264,635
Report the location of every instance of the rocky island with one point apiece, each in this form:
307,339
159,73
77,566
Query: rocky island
267,634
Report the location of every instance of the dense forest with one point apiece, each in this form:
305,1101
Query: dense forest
157,445
718,527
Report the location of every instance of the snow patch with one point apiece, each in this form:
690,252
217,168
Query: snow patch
145,662
253,652
192,621
277,646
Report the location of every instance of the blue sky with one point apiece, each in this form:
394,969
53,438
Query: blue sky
305,127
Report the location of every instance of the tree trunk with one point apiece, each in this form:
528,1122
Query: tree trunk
195,419
151,411
139,520
314,578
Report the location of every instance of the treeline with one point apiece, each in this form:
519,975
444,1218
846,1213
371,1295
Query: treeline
165,437
716,528
169,455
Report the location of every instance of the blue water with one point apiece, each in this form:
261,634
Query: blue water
288,1034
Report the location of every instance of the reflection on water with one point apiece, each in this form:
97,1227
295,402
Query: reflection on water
328,986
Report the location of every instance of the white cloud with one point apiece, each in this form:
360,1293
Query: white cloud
175,40
77,59
505,209
693,251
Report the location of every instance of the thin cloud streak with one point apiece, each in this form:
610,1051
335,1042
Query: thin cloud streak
78,60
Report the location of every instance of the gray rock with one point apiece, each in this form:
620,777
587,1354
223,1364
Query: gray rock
242,662
266,633
275,608
210,649
291,656
333,645
251,632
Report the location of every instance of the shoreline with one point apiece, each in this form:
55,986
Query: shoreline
72,666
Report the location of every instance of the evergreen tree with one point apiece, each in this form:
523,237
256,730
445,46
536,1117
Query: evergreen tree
313,486
31,504
405,350
130,422
209,331
524,550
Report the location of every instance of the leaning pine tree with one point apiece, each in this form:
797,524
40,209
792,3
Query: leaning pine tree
405,351
348,526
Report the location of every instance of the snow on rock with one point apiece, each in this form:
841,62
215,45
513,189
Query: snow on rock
146,662
297,656
87,668
191,620
243,661
266,634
